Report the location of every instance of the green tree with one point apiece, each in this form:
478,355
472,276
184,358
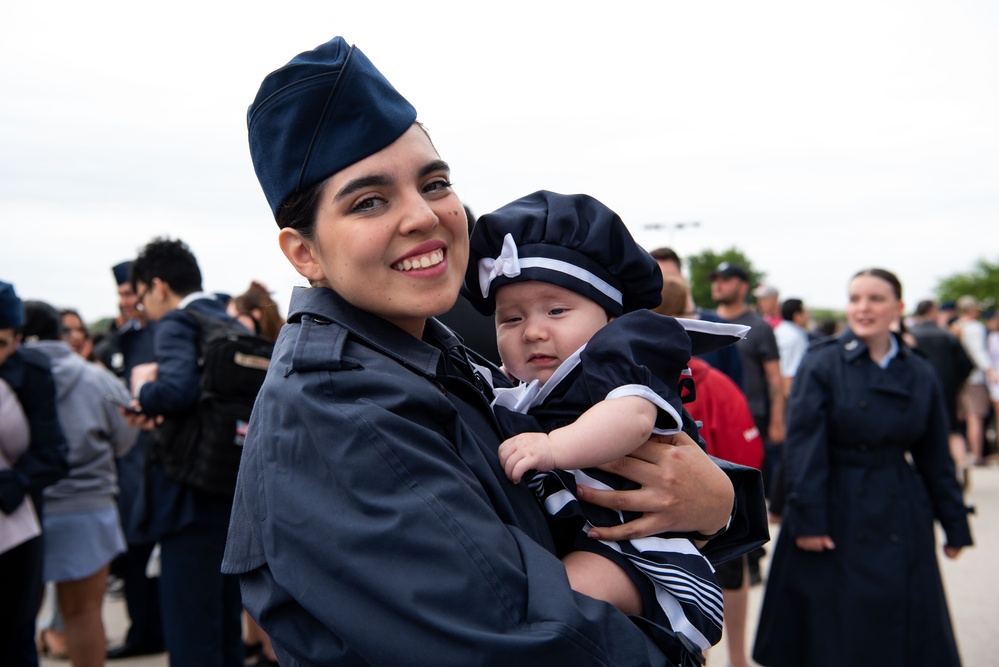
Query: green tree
982,282
701,265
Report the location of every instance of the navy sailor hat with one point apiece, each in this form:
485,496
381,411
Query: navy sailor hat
325,110
572,241
122,271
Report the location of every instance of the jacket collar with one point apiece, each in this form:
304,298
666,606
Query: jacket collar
854,348
324,306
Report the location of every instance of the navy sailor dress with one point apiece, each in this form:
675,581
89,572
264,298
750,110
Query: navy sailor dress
639,354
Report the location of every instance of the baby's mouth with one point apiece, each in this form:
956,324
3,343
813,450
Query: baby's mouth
422,262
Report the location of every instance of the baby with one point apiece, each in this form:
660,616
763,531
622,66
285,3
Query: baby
600,374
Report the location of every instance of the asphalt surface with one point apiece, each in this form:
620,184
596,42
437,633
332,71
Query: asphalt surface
971,582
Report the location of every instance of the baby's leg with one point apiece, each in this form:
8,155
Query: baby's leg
603,579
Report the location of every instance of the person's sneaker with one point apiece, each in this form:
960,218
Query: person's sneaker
115,588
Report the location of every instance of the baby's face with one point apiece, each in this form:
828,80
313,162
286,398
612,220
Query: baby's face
540,325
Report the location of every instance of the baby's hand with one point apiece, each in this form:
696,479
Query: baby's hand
527,451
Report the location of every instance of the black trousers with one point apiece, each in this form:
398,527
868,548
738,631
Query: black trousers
22,586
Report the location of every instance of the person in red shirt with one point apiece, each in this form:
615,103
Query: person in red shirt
728,427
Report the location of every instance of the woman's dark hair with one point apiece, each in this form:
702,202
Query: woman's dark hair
885,275
172,262
41,322
73,313
299,210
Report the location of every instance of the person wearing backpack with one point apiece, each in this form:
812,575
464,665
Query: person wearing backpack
200,605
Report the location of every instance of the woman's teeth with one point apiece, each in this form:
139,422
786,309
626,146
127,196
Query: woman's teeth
432,259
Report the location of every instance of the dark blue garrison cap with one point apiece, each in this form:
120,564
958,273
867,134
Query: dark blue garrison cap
11,309
121,272
572,241
325,110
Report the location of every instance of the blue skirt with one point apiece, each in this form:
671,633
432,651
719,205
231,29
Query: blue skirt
77,545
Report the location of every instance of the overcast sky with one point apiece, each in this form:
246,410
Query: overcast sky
817,138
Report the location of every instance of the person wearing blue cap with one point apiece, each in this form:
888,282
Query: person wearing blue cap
600,374
29,374
372,523
128,344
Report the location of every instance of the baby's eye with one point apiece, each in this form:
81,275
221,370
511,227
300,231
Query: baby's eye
556,311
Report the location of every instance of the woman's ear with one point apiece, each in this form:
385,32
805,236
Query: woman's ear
301,254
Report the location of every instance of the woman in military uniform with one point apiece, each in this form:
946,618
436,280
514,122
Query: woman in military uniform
854,578
373,524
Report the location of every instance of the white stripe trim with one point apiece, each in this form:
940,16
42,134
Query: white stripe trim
718,328
559,266
641,391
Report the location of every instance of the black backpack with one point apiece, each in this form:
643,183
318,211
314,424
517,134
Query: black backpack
202,448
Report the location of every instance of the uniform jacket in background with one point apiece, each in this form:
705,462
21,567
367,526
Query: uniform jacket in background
165,505
869,465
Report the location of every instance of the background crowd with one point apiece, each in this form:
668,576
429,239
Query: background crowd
96,500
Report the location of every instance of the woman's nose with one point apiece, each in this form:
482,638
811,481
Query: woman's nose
417,216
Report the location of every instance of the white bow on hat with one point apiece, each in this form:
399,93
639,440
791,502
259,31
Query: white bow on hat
507,264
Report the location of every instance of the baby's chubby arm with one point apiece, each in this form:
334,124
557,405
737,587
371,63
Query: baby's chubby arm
609,430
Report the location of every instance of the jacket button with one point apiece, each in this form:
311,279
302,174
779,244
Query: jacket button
863,405
893,537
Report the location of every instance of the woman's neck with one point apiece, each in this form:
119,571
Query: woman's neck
878,346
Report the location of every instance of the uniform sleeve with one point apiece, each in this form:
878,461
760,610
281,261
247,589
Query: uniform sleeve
806,449
749,526
639,354
44,462
175,388
931,456
365,537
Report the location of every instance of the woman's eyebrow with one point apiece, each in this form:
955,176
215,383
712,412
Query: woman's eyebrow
353,186
436,165
382,180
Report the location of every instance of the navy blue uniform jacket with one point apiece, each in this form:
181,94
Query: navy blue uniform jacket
373,524
877,598
166,506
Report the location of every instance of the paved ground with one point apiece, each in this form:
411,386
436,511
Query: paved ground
971,583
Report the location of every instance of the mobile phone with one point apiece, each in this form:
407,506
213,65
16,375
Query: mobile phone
123,404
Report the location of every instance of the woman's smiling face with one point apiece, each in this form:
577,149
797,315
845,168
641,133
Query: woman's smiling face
391,236
872,308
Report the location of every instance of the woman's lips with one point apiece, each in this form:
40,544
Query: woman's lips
425,261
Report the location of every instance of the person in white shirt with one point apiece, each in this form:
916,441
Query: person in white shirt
792,339
975,396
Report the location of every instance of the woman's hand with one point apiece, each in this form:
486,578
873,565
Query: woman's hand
681,490
815,543
952,552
